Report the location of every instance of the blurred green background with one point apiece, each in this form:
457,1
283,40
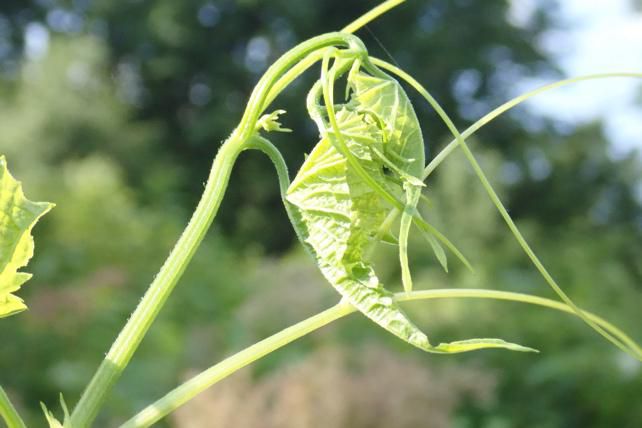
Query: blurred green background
114,110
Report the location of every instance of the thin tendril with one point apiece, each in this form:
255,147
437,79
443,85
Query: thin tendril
383,48
371,15
502,210
513,103
327,79
199,383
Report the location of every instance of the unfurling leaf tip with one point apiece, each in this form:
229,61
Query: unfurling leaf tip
270,122
51,419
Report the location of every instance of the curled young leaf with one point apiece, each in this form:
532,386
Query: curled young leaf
270,122
336,210
18,215
337,215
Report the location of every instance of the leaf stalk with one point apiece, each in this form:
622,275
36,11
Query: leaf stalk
9,413
199,383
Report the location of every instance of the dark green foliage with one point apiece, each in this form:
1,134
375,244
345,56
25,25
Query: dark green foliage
186,68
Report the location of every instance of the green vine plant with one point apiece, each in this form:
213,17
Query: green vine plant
366,172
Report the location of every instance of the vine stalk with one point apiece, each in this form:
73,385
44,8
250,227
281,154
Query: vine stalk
9,413
138,324
276,78
199,383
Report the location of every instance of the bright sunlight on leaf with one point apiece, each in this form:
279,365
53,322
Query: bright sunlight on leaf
371,152
18,215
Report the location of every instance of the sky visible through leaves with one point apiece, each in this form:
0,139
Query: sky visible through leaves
595,36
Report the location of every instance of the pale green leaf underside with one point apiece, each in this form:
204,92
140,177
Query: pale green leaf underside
17,217
336,213
387,99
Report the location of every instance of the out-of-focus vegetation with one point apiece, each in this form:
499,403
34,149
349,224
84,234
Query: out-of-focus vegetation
114,110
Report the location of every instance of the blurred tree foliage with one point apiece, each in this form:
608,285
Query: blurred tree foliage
114,110
186,69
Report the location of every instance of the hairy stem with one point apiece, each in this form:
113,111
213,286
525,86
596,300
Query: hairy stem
138,324
9,413
261,93
315,56
216,373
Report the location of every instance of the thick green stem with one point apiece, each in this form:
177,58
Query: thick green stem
137,326
315,56
216,373
130,337
9,413
261,95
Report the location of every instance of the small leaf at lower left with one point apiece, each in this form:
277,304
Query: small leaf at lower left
18,215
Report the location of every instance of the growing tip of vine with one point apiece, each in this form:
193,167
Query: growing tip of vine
270,122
